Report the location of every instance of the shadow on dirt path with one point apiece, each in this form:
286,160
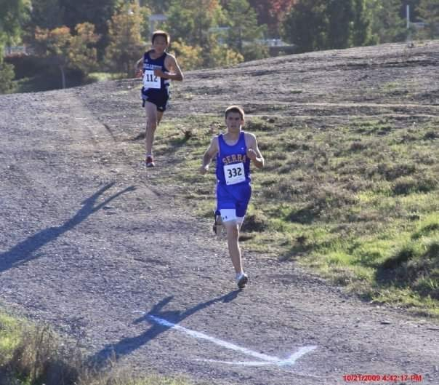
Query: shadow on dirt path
27,250
113,352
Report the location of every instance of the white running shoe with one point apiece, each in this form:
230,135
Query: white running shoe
241,280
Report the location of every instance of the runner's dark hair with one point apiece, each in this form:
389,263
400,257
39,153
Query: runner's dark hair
160,33
237,109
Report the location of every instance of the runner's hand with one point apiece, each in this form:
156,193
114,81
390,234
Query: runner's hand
252,154
158,72
139,73
203,169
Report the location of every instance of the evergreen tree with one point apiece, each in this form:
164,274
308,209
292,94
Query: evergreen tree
413,4
6,77
387,25
195,23
306,25
318,24
192,20
156,6
97,12
12,17
244,32
361,27
46,14
429,13
339,16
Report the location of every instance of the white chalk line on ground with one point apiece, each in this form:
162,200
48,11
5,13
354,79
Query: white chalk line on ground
265,359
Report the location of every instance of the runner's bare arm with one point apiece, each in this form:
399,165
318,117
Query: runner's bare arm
211,151
174,73
138,70
253,151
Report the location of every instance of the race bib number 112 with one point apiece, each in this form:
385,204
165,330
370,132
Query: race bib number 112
150,80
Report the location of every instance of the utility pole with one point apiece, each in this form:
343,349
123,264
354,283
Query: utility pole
409,31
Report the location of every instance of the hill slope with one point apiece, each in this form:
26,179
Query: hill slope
105,251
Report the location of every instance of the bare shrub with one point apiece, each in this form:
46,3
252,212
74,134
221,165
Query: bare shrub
325,201
392,171
412,184
411,267
256,124
431,135
357,146
256,222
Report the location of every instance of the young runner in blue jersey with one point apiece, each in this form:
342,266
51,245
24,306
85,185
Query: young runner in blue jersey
157,67
234,151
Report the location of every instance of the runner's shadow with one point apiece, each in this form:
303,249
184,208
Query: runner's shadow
114,352
27,249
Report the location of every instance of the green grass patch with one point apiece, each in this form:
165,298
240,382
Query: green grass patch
341,201
10,334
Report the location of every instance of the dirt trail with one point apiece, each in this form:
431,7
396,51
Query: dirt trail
89,244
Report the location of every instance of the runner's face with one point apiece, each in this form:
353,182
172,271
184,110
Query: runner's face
160,44
234,122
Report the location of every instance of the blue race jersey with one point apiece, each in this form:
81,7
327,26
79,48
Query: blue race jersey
149,65
232,163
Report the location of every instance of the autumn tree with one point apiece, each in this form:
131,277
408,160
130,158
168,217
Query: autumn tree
126,45
68,51
189,57
271,13
83,55
96,12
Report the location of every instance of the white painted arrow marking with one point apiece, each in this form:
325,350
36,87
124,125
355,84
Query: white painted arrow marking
266,359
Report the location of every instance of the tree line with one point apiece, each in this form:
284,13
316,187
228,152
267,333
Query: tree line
82,36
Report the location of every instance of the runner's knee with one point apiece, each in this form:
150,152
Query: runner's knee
152,124
233,229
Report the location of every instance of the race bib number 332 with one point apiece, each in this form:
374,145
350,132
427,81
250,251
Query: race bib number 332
150,80
234,173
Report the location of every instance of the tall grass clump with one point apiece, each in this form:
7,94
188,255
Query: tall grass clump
35,355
